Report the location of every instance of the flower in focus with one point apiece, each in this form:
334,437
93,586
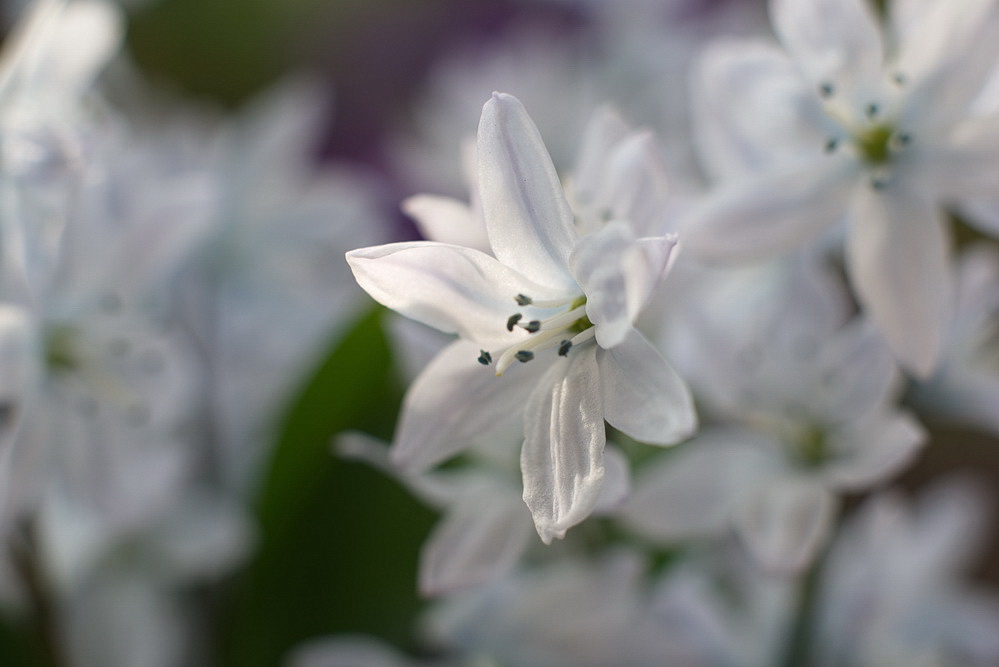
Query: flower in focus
548,294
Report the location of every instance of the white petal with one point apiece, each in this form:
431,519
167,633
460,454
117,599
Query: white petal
834,41
451,288
528,219
604,131
874,450
761,216
753,110
447,220
785,522
693,491
966,165
617,275
562,459
454,401
479,540
633,187
642,394
617,481
859,372
898,260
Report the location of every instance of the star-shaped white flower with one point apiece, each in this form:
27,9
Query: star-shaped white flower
545,294
879,128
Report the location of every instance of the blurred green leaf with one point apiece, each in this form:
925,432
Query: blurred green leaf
339,540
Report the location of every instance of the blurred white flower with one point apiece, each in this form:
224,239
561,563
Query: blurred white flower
852,121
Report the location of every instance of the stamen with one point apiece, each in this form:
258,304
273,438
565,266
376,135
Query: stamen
903,138
512,321
523,300
826,90
872,110
564,347
899,78
544,339
563,320
583,336
523,356
485,358
831,145
532,326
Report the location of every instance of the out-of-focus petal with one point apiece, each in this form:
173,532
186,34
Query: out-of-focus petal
898,260
785,522
771,213
562,459
447,220
642,395
617,481
528,219
873,450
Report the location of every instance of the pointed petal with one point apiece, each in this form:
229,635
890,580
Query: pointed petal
898,260
479,540
447,220
562,458
617,275
859,372
874,450
966,165
528,219
834,41
643,396
785,522
454,401
760,216
451,288
604,131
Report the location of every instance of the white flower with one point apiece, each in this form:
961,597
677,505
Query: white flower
852,122
546,293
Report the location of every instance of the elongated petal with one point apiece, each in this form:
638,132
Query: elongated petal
481,538
859,372
562,459
898,259
447,220
617,275
634,184
454,401
874,450
834,41
785,522
604,131
967,164
617,481
643,396
451,288
528,219
761,216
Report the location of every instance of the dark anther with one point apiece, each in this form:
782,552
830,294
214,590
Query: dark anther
512,321
904,138
831,145
523,356
872,110
523,300
878,183
826,90
533,326
564,347
485,358
899,78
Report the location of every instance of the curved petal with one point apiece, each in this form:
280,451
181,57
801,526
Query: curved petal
784,523
898,260
480,539
454,401
451,288
835,42
761,216
752,110
617,481
858,372
873,450
642,395
617,275
633,187
528,219
562,459
966,165
604,130
447,220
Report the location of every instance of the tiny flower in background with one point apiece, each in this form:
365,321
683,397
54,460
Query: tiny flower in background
546,293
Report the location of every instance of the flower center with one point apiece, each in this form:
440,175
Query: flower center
564,330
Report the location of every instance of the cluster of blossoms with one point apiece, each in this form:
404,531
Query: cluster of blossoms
801,281
694,295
